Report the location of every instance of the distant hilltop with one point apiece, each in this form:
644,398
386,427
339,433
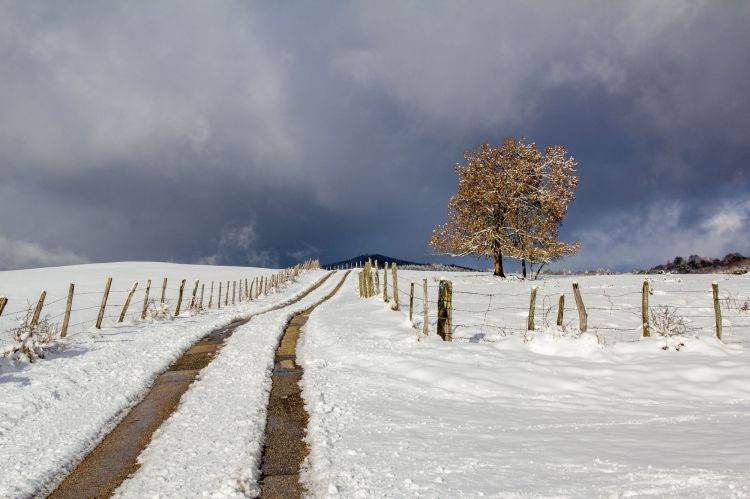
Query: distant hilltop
733,263
403,264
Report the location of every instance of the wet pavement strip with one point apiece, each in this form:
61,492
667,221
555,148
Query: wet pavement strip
115,458
284,447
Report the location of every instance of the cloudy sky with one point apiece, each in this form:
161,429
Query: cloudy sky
264,133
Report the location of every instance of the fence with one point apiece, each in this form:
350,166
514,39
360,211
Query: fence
116,305
626,310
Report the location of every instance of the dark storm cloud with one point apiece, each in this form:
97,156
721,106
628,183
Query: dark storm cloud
261,133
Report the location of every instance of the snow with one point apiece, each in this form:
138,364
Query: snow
212,444
54,411
546,413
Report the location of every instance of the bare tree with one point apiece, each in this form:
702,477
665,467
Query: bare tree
511,201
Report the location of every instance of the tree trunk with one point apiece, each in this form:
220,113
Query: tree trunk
523,267
538,270
499,263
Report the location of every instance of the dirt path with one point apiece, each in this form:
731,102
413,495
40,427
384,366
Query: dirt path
115,458
286,422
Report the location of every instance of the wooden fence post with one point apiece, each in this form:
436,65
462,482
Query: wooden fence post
234,291
38,310
582,316
247,291
377,278
385,282
203,286
211,296
68,308
359,275
445,310
179,299
644,309
163,291
394,269
717,309
532,306
425,322
195,295
3,302
411,301
226,296
560,309
127,303
218,296
100,317
239,291
145,299
250,290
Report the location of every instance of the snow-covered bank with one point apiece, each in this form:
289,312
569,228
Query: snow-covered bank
53,412
211,446
391,416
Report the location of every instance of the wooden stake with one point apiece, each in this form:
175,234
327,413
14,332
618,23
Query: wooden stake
100,317
239,291
145,299
68,308
163,291
532,306
234,291
385,282
250,290
445,310
193,299
226,296
202,288
247,291
644,309
394,269
411,301
425,322
560,309
179,298
717,309
127,303
38,310
582,316
218,301
211,296
3,302
377,278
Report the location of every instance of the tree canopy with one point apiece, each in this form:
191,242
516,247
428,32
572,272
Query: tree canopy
511,201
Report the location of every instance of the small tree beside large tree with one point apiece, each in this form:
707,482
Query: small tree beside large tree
511,201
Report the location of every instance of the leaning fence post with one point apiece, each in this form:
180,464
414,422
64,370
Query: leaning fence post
644,309
582,317
445,310
203,287
195,295
179,298
145,300
100,317
425,323
3,302
411,301
127,303
717,309
38,310
68,307
560,309
532,306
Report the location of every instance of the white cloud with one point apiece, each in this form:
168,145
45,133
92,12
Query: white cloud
26,255
630,241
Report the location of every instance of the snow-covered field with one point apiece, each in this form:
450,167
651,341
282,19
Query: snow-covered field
54,411
517,415
499,412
